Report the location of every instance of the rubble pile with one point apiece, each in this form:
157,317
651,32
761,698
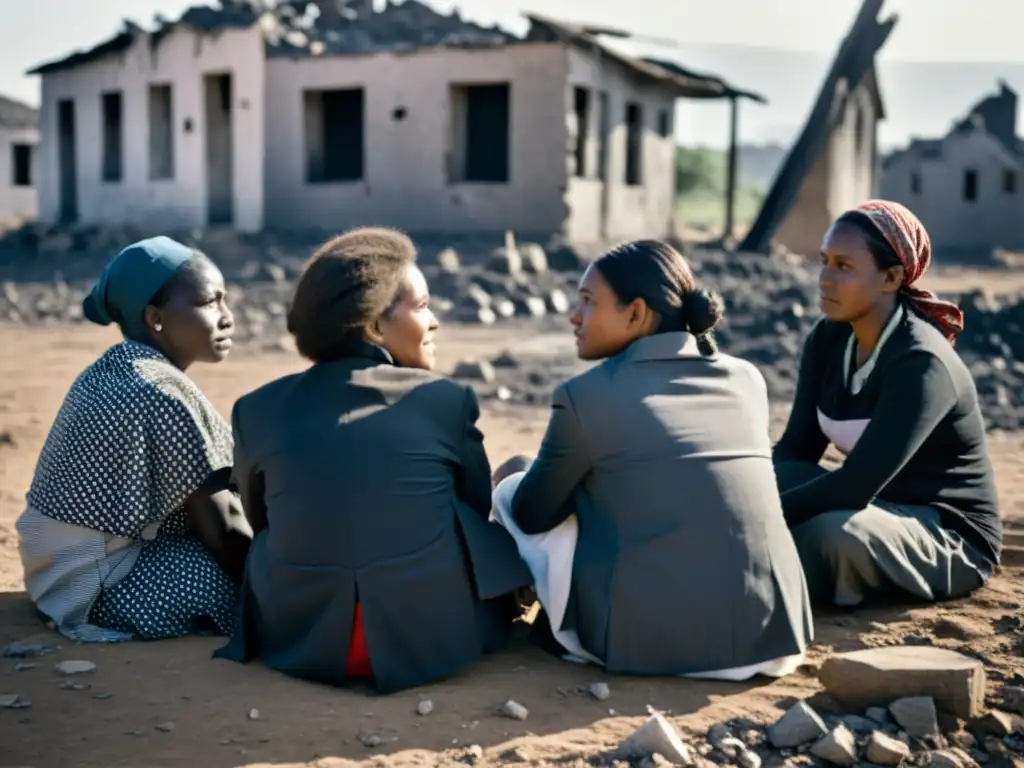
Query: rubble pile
771,301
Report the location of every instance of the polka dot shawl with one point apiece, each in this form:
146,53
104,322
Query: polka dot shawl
132,441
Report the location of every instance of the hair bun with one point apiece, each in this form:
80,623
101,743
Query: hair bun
702,311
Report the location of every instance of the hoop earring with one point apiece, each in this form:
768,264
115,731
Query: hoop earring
158,327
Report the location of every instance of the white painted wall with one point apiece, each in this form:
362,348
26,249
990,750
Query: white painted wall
405,173
181,59
994,220
633,211
17,203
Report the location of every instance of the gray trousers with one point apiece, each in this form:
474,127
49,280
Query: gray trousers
847,554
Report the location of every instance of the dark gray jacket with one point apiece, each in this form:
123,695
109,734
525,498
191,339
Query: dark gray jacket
368,481
684,562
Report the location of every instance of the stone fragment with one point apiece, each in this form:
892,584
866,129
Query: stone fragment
503,307
24,650
599,691
879,715
505,360
166,727
995,723
656,736
506,260
883,749
448,261
838,747
534,259
799,725
876,676
558,302
532,306
475,370
13,701
514,710
254,714
371,740
948,758
916,715
859,724
75,667
748,759
424,708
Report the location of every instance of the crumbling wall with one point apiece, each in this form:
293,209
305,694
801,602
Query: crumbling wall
180,58
995,219
18,203
643,210
409,140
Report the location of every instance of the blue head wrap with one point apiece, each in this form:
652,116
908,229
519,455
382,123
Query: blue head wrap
129,282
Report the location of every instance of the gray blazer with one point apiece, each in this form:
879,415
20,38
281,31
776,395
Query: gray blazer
369,482
684,562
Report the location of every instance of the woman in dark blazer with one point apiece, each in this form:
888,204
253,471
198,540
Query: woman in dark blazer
368,488
651,518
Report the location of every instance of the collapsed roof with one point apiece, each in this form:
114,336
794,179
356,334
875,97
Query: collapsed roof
854,64
299,28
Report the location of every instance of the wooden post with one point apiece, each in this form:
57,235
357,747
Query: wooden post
730,181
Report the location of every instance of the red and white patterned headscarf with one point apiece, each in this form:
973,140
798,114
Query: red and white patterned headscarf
909,240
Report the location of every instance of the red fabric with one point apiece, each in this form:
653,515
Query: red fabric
909,239
358,663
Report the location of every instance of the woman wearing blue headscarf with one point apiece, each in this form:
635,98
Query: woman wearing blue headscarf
131,529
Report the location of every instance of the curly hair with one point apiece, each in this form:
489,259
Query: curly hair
350,281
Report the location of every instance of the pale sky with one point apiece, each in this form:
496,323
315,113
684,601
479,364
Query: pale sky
34,31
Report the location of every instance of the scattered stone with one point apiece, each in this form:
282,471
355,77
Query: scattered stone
534,260
474,754
505,360
838,747
883,749
916,715
69,685
448,260
717,734
75,667
424,708
948,758
24,650
514,710
656,736
599,691
532,306
254,714
995,723
879,715
859,724
166,727
14,701
558,302
878,675
475,370
799,725
23,667
506,260
102,695
371,741
748,759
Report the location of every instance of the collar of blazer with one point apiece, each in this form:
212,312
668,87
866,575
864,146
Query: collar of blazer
663,346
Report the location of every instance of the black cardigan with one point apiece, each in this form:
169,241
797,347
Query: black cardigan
924,444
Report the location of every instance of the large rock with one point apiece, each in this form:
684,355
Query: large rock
877,676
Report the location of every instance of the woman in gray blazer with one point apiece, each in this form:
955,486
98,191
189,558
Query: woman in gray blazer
368,488
650,518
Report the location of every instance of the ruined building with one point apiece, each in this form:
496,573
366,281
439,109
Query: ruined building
19,138
330,115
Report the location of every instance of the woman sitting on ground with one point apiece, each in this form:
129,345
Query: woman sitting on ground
913,507
131,528
368,488
650,518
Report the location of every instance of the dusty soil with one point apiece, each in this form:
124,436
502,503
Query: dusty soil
140,686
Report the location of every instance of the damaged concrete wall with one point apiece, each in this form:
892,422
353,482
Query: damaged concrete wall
994,219
842,176
181,59
408,139
17,201
644,210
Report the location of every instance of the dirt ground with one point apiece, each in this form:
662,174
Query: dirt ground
125,715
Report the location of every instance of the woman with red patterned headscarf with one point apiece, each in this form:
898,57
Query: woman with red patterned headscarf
913,506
